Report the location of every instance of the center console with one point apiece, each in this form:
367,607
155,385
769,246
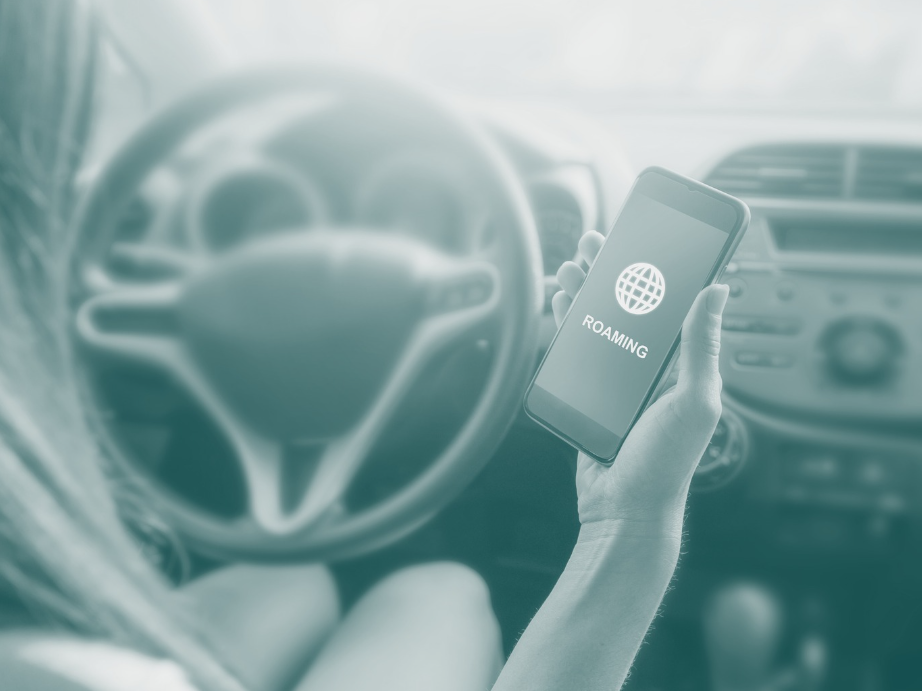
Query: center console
821,353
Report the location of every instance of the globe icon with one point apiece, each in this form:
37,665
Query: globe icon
640,288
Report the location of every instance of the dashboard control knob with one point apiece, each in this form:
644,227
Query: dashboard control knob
725,456
861,350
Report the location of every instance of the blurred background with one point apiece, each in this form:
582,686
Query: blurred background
524,128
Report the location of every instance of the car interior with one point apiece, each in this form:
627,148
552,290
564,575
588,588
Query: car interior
308,297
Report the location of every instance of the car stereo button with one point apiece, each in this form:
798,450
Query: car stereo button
785,291
780,327
762,325
751,358
892,503
732,322
780,360
872,473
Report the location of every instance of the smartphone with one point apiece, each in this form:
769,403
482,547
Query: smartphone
673,236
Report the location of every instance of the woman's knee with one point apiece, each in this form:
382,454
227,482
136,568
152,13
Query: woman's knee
439,582
291,593
267,622
450,597
424,627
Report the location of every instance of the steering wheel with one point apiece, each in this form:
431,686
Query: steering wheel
312,335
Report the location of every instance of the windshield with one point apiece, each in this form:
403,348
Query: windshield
787,54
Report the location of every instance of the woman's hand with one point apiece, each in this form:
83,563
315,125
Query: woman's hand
644,491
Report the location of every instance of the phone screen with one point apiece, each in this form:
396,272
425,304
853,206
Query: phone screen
622,327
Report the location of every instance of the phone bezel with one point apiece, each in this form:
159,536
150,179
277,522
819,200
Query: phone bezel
569,417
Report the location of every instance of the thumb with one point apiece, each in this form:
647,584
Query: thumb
699,376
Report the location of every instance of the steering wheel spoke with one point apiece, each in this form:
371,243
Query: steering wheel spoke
336,463
109,323
262,460
142,261
136,323
462,297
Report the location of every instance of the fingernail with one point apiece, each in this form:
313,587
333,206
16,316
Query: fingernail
717,298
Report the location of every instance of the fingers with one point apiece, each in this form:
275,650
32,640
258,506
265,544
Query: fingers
699,383
570,277
560,303
589,246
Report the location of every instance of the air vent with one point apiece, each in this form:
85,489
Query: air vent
785,170
889,173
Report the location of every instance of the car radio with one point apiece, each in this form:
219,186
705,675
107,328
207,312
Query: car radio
825,310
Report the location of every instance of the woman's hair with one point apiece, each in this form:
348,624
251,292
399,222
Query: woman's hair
64,549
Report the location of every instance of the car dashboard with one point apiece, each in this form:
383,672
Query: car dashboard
814,476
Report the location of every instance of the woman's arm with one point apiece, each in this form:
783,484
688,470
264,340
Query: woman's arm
587,633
